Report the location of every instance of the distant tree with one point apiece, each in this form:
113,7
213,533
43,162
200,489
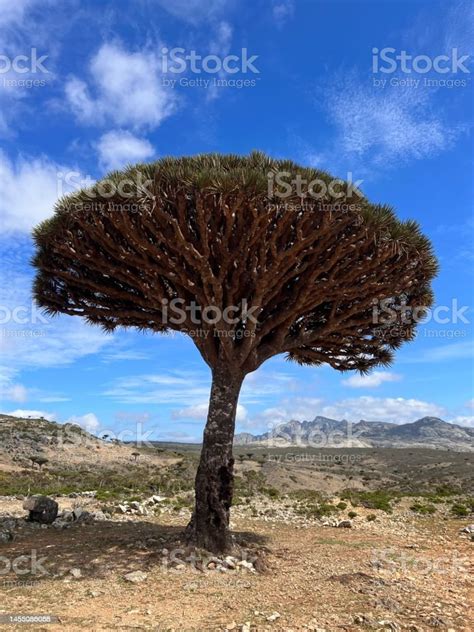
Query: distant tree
105,437
135,455
208,231
39,461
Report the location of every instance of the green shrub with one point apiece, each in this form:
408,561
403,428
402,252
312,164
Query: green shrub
271,492
460,511
371,517
371,500
352,514
423,509
341,506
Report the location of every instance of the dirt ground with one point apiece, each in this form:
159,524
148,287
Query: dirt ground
386,575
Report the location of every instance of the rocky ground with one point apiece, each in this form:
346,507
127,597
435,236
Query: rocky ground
124,566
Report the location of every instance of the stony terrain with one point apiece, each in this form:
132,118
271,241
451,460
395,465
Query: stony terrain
125,570
325,539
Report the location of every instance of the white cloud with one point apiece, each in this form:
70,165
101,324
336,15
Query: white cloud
15,393
23,27
125,90
192,388
194,10
89,421
119,148
386,125
446,352
29,191
391,409
13,13
33,340
463,420
34,414
294,408
199,412
175,387
220,46
124,354
282,11
396,410
372,380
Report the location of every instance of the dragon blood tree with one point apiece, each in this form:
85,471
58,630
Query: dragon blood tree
299,275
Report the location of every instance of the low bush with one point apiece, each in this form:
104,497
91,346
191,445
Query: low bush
423,509
459,510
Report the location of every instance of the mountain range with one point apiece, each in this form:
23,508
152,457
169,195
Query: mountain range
322,432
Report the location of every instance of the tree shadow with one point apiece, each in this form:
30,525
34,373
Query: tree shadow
100,548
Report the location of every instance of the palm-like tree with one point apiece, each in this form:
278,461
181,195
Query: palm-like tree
208,231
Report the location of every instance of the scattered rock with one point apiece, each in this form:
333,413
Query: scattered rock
76,573
345,524
136,577
77,513
436,621
231,562
41,509
389,625
247,565
6,536
274,616
157,499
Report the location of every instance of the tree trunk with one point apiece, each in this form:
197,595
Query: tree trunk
209,526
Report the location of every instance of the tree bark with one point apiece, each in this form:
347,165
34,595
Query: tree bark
214,487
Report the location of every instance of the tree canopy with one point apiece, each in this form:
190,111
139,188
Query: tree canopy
207,229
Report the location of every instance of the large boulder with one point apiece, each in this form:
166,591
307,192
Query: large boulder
41,509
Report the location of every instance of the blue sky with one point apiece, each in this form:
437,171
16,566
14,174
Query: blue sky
100,99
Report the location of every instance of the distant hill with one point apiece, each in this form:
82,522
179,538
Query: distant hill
428,432
66,445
